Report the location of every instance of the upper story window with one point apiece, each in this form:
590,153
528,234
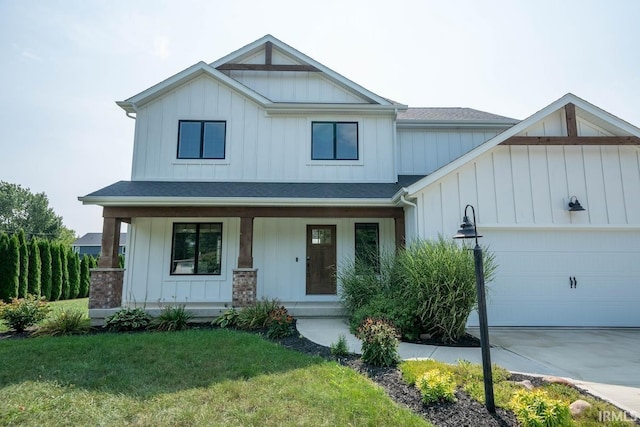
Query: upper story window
334,141
198,139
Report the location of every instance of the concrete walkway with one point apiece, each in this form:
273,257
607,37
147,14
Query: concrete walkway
518,351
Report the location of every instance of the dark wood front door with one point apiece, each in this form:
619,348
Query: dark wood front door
321,259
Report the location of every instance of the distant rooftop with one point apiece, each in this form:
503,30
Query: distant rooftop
95,239
452,114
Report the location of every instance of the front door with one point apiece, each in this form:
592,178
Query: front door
321,259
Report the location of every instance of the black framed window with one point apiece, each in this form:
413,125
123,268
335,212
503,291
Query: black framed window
368,245
196,248
334,141
199,139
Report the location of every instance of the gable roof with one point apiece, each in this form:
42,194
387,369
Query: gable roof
95,239
452,114
587,109
210,70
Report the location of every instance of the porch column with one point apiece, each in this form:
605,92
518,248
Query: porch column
245,277
400,232
106,280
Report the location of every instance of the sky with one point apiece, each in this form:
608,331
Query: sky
65,63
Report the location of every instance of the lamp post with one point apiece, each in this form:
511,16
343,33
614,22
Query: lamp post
468,230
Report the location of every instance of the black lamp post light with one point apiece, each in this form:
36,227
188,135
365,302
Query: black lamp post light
468,230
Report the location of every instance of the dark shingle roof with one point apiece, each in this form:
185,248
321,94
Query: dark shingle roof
95,239
452,115
224,190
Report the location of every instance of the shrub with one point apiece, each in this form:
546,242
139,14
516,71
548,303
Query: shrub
23,283
440,277
280,323
379,342
85,276
65,322
35,266
257,315
128,319
536,409
9,268
46,270
340,347
414,369
24,312
436,386
227,319
73,266
467,372
172,318
56,272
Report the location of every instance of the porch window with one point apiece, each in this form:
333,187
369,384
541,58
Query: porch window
201,139
196,249
368,245
334,141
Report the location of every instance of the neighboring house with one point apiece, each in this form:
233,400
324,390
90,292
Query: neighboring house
91,243
256,175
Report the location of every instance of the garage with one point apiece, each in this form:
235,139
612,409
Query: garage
564,277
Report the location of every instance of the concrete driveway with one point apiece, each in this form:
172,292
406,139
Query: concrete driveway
610,356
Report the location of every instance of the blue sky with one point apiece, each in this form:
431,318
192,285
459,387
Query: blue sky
65,63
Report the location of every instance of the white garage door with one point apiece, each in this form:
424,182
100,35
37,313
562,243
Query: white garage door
533,284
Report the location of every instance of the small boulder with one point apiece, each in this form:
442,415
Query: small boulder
526,384
557,380
578,407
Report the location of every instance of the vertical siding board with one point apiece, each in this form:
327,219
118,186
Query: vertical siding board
613,186
558,191
540,186
630,171
504,186
576,183
451,206
521,184
141,146
486,190
595,185
467,186
154,139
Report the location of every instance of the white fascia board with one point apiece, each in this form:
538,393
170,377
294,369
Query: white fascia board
460,124
304,108
185,75
231,201
604,115
337,78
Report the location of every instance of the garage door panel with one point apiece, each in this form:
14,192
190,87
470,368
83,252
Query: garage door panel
532,285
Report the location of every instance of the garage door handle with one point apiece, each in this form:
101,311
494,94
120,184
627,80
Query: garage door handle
573,283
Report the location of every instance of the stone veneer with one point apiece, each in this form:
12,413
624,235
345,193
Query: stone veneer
106,288
245,281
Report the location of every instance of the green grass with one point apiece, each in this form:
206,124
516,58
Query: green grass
469,377
195,377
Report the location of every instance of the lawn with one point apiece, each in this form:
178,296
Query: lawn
194,377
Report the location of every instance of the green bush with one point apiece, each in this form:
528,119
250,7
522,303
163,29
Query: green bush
35,269
436,386
536,409
65,322
340,347
9,268
467,372
279,323
23,283
379,342
228,319
56,272
46,272
256,316
73,266
24,312
172,318
85,276
128,319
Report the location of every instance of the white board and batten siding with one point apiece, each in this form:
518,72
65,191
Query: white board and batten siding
279,254
521,196
259,147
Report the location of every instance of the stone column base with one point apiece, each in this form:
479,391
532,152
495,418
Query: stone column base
106,287
245,281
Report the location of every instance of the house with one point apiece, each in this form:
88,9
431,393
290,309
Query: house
91,244
255,175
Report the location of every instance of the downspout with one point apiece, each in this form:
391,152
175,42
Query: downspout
129,115
415,207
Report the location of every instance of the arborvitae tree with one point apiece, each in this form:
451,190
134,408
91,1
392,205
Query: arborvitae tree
10,270
85,276
46,273
4,248
73,266
65,272
23,280
56,272
35,264
94,262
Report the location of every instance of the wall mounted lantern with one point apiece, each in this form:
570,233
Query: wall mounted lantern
574,205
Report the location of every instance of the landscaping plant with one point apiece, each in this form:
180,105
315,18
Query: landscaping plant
279,323
379,342
536,409
128,319
65,322
436,386
172,318
256,316
339,348
227,319
21,313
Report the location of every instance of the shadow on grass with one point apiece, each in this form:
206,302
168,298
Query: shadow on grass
143,365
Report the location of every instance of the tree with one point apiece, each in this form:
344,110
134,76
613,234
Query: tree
65,272
10,269
56,272
35,269
23,282
46,273
73,266
21,209
85,276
